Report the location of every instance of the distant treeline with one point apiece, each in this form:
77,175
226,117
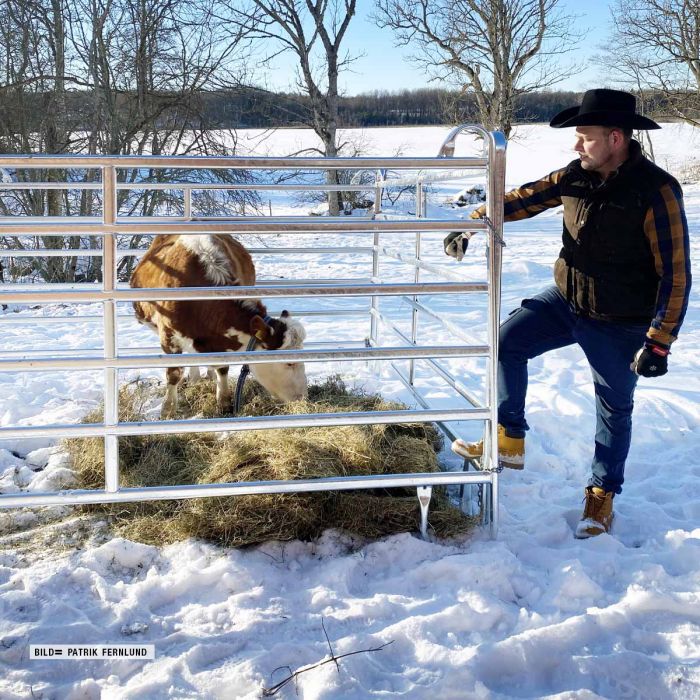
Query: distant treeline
250,107
254,108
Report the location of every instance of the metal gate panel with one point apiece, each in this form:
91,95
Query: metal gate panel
111,360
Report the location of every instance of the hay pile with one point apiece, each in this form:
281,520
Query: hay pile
262,455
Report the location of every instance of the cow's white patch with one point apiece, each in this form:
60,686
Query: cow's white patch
217,266
182,343
240,336
170,402
194,375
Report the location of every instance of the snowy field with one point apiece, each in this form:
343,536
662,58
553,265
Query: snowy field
534,614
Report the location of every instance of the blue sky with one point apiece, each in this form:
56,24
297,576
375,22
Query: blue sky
386,67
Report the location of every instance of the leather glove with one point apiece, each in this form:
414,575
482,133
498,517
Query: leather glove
650,360
456,243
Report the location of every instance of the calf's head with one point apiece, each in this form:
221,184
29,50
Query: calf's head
284,380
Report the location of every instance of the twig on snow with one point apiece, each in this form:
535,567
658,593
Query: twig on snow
337,666
273,690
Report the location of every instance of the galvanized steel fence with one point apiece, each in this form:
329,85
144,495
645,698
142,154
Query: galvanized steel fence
111,360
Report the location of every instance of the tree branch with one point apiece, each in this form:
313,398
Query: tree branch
273,690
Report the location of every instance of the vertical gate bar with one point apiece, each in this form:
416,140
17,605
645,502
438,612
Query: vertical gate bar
374,317
420,213
494,211
188,204
111,395
486,503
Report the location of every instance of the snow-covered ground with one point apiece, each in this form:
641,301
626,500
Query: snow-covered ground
533,614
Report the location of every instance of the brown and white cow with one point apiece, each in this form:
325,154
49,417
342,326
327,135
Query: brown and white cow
215,325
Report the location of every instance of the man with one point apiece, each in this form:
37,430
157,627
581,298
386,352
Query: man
622,285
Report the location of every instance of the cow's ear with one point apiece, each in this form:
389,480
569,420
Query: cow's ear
260,329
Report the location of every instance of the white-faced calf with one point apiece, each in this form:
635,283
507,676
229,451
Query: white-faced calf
215,325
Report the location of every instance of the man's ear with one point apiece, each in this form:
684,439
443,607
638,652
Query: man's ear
618,138
260,329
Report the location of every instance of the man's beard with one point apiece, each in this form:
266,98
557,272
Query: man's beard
594,165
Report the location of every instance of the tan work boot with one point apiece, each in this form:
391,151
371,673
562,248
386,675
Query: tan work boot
598,513
511,451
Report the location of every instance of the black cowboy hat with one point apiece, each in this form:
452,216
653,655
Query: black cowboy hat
604,108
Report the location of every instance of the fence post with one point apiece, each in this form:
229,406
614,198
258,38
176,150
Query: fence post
109,283
374,309
187,206
494,211
420,213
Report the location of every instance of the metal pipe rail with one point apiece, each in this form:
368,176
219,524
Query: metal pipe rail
449,378
450,327
135,253
184,186
200,293
216,425
33,161
156,226
436,176
418,263
406,381
88,287
150,349
344,483
13,320
111,361
224,358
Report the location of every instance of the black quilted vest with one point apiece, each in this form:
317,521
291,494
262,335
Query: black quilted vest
606,267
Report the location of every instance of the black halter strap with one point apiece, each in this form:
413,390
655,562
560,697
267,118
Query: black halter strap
245,370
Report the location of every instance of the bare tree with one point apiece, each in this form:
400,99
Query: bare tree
313,30
661,42
111,77
33,116
493,49
173,51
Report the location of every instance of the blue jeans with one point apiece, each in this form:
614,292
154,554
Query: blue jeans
546,322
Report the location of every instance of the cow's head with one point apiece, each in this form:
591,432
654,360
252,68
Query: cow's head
284,380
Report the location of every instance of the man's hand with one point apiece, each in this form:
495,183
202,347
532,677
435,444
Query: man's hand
456,243
650,360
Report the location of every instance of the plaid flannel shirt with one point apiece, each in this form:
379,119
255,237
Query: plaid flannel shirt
665,227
